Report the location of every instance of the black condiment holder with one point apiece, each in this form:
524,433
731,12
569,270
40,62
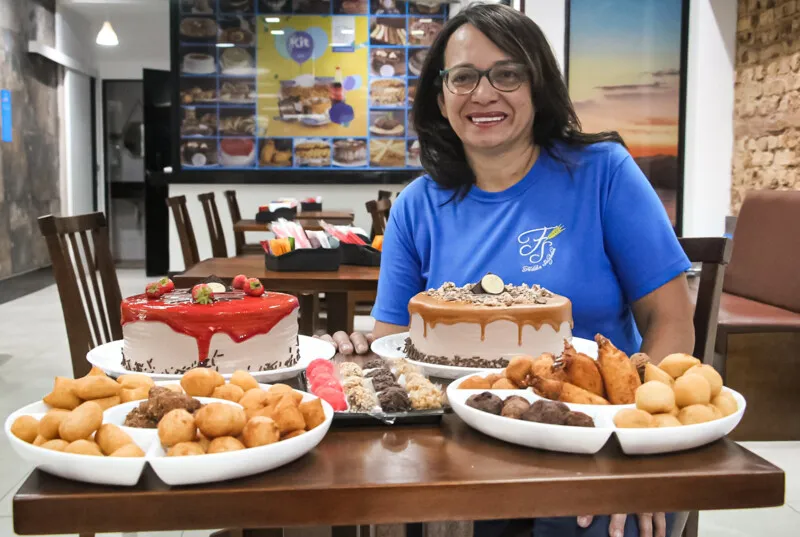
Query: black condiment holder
305,260
358,254
264,217
310,206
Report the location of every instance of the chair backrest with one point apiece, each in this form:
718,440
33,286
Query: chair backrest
218,246
236,215
79,250
185,230
379,210
714,253
765,266
384,194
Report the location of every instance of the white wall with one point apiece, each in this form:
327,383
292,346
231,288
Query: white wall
143,43
550,15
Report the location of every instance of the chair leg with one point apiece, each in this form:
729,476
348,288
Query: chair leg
309,311
692,525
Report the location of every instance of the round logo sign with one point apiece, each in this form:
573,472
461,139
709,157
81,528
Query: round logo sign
300,46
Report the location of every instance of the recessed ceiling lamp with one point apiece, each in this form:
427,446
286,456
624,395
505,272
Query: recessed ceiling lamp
107,37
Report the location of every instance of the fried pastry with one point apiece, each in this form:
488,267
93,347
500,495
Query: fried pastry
582,371
620,377
565,392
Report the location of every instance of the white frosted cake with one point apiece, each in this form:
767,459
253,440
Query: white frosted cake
172,334
461,327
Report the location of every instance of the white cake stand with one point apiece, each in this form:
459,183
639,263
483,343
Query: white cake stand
391,348
108,357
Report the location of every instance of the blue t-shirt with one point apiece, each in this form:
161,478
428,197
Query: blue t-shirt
595,232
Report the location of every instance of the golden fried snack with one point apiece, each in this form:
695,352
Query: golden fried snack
633,418
277,391
475,383
313,413
128,450
544,367
265,411
96,372
220,419
652,372
40,440
185,449
518,370
108,402
726,403
127,395
692,390
81,422
714,379
200,382
219,380
244,380
718,415
84,447
177,426
56,444
620,377
203,441
565,392
229,392
677,364
504,384
655,397
696,414
260,431
110,438
135,381
293,434
666,420
174,388
95,387
287,416
223,444
491,379
26,428
63,395
255,399
582,371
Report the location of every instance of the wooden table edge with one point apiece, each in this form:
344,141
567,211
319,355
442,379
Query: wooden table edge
197,508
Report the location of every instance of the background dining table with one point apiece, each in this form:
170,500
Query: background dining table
308,219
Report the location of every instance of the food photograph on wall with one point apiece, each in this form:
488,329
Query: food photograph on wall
301,84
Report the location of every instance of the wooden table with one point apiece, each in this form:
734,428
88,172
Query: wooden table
335,285
308,219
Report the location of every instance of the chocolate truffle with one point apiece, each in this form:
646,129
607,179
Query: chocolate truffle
394,399
377,363
579,419
515,406
380,374
543,411
382,383
487,402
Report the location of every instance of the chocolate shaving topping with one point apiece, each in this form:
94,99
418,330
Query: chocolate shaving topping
513,294
476,361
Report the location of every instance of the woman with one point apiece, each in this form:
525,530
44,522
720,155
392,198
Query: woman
515,188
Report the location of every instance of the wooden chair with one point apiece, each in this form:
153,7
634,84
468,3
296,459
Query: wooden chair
219,248
379,210
238,236
185,231
384,194
79,250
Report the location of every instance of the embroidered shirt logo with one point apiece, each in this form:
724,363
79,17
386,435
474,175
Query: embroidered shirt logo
536,246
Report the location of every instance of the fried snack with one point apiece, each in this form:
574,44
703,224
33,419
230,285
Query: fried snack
84,447
63,395
110,438
260,431
255,399
244,380
504,384
725,402
544,367
565,392
633,418
277,391
39,440
550,412
677,364
263,411
514,407
655,373
582,371
177,426
185,449
666,420
200,382
313,413
96,372
293,434
287,416
174,388
696,414
718,415
714,379
692,390
128,450
655,397
55,445
518,370
224,444
203,441
491,379
134,394
81,422
95,387
475,383
579,419
229,392
220,419
108,402
50,422
640,361
620,377
135,381
219,380
26,428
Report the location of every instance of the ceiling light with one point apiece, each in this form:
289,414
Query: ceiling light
107,37
272,19
276,32
225,45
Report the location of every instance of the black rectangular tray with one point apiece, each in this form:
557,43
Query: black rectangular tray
305,259
263,217
356,254
310,206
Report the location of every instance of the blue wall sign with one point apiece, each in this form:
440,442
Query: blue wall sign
5,114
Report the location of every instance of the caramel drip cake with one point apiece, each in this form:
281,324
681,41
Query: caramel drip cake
483,326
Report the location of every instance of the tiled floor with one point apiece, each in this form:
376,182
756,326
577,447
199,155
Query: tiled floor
33,349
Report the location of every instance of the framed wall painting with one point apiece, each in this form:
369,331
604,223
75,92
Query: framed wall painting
626,71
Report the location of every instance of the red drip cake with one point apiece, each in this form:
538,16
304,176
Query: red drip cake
172,334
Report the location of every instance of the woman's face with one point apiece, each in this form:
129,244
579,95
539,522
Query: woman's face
486,119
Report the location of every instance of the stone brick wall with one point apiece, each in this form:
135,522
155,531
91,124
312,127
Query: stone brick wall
767,98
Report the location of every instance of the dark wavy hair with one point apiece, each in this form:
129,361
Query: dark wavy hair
442,152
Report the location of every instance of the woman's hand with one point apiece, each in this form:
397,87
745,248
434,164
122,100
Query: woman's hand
355,342
650,524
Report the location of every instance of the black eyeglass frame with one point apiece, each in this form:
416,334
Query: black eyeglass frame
484,73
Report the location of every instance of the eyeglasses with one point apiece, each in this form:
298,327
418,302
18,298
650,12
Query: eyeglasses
505,77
